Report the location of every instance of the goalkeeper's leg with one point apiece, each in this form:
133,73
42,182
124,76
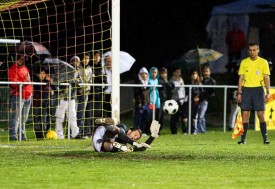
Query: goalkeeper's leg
108,123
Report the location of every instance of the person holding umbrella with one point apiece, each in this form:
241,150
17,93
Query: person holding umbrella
18,72
65,103
43,96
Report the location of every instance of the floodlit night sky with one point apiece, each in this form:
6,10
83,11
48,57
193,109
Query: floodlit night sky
157,32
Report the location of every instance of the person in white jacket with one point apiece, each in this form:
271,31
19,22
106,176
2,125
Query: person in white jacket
68,105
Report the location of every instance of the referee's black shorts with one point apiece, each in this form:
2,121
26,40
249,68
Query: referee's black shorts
253,99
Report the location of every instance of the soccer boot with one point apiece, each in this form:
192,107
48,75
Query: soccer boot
241,142
266,142
122,147
104,121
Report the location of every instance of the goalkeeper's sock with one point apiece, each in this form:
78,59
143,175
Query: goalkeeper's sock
245,128
112,128
105,121
263,130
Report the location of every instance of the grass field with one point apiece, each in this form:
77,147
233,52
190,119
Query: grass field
209,160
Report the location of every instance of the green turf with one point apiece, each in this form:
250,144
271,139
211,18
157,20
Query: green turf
209,160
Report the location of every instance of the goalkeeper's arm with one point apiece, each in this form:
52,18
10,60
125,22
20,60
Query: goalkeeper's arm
148,141
154,134
124,138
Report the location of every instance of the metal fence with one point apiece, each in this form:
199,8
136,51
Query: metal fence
4,106
126,97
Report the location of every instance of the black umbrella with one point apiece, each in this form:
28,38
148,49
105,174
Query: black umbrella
60,71
32,48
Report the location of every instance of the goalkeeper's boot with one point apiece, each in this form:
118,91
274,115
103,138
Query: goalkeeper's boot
105,121
122,147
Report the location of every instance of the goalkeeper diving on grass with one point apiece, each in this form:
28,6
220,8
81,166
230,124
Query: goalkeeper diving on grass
113,137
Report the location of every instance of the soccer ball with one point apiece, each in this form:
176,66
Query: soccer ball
170,107
51,135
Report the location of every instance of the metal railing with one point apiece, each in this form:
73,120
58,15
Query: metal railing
225,87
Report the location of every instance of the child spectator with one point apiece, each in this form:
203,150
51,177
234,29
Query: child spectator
42,103
195,97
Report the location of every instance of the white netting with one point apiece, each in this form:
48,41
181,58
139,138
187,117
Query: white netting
52,32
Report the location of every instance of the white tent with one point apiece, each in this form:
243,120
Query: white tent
248,14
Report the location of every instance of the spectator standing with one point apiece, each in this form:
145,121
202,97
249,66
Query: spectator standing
196,93
18,72
108,90
68,105
86,74
142,101
42,103
178,94
94,107
253,76
206,96
236,41
164,92
154,91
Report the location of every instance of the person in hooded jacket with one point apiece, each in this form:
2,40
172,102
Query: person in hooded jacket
142,100
154,93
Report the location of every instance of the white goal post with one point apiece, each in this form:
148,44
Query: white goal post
115,59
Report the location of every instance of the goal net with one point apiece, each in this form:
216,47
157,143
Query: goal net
53,36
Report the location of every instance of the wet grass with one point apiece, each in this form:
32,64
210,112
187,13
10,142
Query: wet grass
209,160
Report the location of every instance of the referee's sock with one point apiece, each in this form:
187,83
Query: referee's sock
245,127
263,130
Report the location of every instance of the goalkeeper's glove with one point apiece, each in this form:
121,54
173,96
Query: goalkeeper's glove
155,129
141,145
